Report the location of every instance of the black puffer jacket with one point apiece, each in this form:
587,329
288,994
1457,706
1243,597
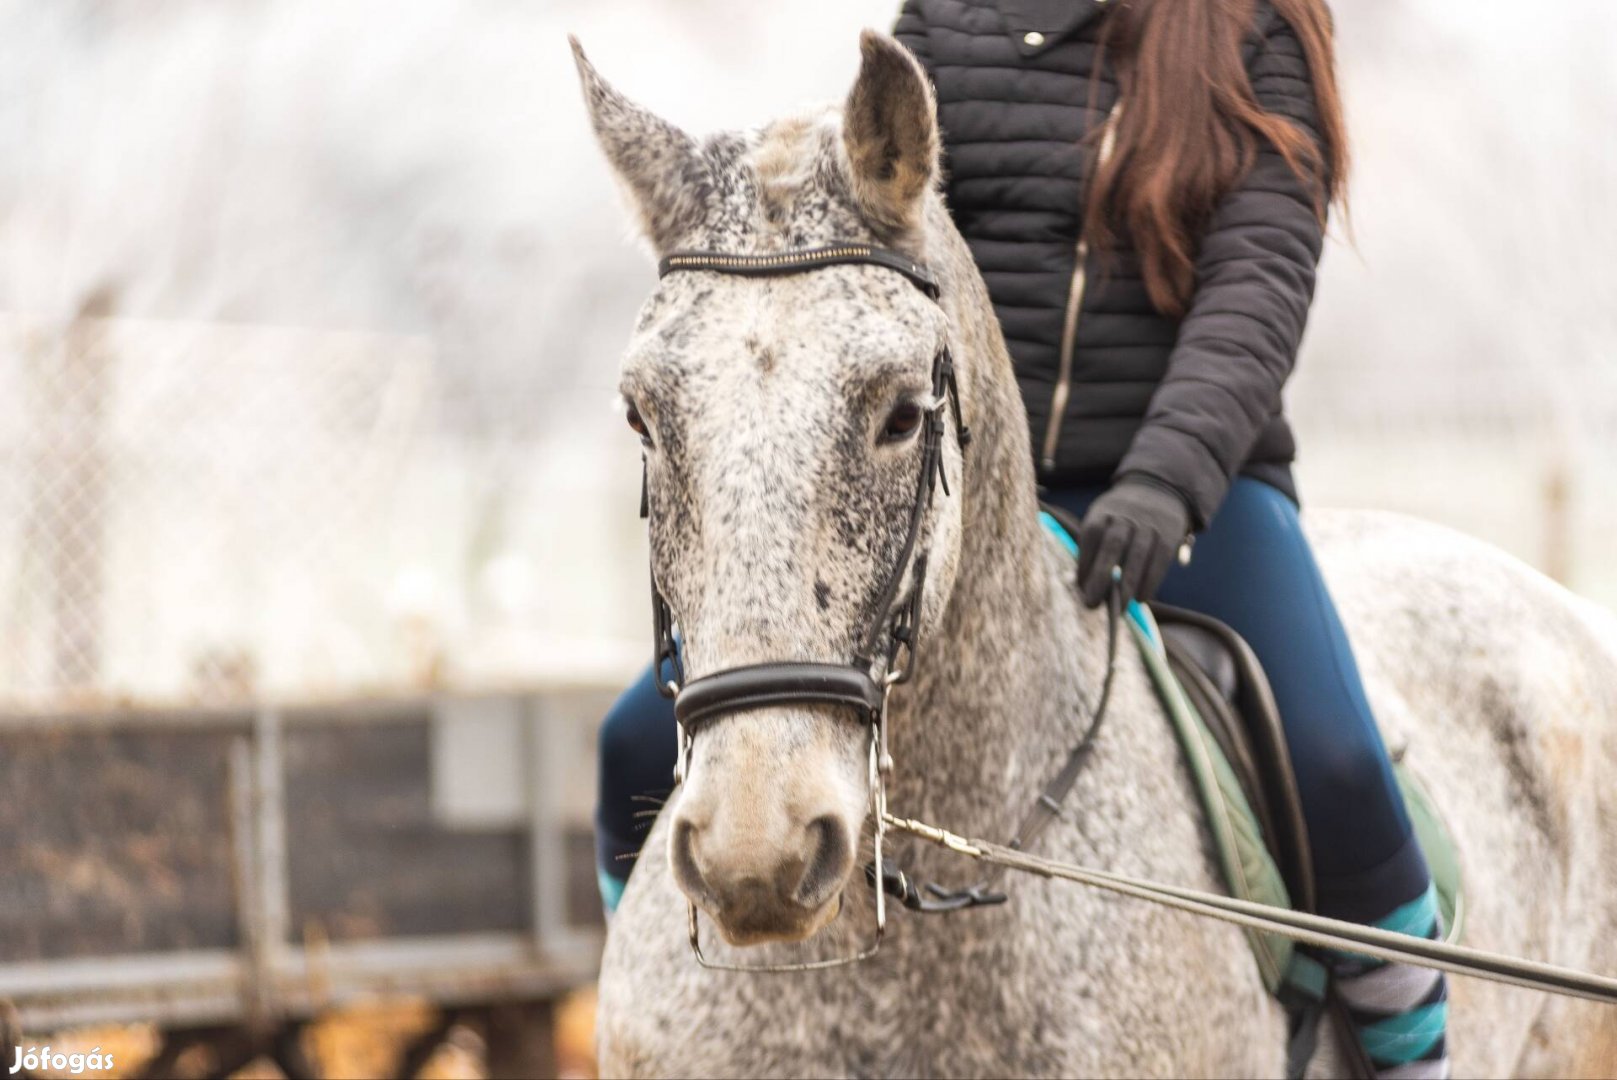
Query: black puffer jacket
1188,403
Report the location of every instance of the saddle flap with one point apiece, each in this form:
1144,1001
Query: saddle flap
1207,650
1226,682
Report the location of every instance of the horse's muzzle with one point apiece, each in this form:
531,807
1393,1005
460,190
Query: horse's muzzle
757,895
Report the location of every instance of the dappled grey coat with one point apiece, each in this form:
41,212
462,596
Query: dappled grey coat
1189,402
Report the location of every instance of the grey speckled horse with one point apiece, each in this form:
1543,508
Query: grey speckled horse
780,481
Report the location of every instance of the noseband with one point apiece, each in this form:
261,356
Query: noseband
891,636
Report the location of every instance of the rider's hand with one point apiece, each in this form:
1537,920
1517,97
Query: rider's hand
1137,525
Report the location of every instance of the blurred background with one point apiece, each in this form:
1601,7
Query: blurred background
318,546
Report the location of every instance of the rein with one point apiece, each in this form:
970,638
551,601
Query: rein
855,686
1299,926
1045,809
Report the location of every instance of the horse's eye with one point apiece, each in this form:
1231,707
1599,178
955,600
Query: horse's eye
902,421
637,424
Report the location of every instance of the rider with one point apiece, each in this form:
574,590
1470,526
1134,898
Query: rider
1150,254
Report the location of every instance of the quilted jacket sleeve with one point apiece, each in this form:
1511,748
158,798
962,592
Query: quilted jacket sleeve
1238,341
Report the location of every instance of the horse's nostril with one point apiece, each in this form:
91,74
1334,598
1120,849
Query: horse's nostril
682,851
829,855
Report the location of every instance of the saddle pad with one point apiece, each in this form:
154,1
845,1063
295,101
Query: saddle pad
1244,858
1249,869
1442,856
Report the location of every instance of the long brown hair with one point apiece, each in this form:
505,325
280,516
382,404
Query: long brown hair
1190,129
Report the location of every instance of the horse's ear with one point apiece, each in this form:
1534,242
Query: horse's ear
890,133
660,167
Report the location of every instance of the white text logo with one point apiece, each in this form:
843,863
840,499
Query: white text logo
34,1059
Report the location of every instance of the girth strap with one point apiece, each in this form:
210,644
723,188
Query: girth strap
761,685
795,262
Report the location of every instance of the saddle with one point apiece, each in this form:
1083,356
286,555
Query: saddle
1225,683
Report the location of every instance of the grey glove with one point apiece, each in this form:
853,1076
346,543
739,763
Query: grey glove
1137,525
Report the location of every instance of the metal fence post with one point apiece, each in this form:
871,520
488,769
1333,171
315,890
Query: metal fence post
548,763
269,852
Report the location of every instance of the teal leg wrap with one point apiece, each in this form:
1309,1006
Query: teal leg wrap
1399,1011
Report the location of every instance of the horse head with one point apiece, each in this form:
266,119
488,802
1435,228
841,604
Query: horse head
783,420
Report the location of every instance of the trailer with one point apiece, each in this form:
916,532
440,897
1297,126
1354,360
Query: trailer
229,874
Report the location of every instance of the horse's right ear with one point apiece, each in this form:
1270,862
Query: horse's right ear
890,134
660,167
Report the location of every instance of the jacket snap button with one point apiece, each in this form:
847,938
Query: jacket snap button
1034,38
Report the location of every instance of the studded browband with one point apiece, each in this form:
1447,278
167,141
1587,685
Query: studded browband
836,253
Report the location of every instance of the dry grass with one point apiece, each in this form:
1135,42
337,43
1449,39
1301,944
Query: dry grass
575,1035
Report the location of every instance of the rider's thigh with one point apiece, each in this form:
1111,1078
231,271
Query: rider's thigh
1253,569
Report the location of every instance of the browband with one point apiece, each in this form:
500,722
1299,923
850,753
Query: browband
836,253
760,685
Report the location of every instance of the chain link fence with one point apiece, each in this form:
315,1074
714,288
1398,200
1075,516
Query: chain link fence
202,512
175,498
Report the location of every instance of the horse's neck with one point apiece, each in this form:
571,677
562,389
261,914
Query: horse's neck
1004,688
1000,687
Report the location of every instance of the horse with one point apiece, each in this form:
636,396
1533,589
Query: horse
777,416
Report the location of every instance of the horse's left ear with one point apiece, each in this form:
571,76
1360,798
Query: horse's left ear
890,133
661,168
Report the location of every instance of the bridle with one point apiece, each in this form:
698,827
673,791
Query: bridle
885,654
891,636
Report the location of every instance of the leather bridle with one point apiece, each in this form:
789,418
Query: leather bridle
885,654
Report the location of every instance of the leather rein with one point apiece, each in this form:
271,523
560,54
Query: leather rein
892,634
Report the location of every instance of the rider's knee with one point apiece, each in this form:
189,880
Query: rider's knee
1346,771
